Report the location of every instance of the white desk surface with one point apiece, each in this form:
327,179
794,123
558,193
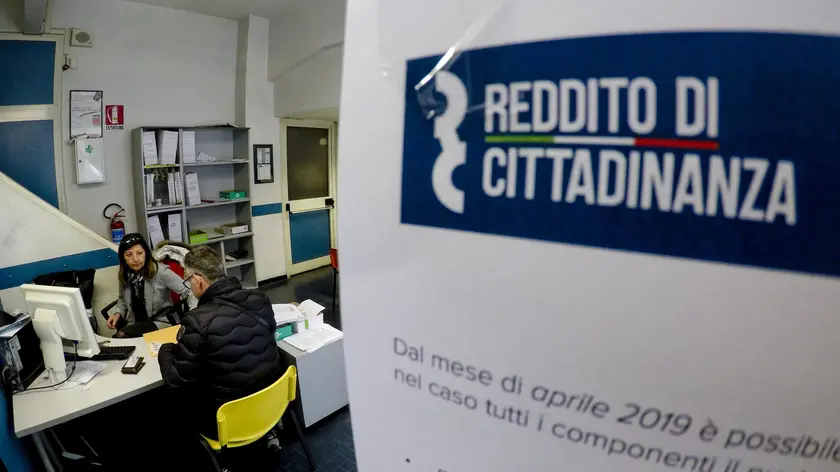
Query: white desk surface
41,409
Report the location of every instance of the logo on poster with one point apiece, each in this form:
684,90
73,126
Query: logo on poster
649,143
453,150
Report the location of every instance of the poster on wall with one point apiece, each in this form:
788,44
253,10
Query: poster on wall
612,244
86,114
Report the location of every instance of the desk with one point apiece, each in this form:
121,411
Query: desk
36,411
322,380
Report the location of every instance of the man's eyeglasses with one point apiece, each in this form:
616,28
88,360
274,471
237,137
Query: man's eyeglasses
187,281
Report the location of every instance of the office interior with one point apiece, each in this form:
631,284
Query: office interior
271,68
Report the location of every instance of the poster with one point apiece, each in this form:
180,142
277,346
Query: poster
86,113
604,235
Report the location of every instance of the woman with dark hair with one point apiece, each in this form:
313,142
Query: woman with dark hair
145,289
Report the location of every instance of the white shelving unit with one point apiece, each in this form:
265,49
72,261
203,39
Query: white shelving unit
229,145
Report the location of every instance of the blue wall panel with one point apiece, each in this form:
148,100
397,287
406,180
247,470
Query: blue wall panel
26,75
25,273
310,235
267,209
27,155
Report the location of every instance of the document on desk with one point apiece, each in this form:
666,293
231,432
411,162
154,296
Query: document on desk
311,309
158,338
84,372
314,338
286,313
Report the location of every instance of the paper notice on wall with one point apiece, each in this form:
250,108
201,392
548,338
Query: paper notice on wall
612,248
85,114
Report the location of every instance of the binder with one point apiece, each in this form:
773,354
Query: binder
193,192
150,152
175,233
167,146
188,148
170,183
179,188
155,230
150,189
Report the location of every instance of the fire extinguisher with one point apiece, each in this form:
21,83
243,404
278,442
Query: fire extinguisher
117,227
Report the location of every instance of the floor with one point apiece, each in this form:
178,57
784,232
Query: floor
330,440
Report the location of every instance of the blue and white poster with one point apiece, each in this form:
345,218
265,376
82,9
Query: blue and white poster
715,146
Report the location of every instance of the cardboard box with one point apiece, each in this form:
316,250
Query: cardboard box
198,236
284,331
233,194
233,228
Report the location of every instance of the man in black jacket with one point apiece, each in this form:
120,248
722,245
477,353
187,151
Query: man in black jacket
226,348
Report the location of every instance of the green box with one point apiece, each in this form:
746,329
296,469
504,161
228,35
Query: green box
233,194
283,332
198,236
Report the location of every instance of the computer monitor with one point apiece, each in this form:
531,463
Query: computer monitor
59,313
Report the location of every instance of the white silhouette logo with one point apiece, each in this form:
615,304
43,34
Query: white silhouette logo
454,151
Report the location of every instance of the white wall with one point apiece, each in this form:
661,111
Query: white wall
11,15
305,58
255,102
166,66
33,231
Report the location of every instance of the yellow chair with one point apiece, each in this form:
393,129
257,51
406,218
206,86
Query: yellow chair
246,420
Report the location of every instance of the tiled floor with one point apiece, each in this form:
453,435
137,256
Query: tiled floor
330,440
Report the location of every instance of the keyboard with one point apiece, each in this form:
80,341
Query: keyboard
108,353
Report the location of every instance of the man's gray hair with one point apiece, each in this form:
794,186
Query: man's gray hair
204,261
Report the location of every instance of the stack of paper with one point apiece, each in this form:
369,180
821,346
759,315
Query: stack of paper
150,152
188,150
77,377
175,233
168,146
313,312
315,338
9,330
285,313
205,157
155,230
84,373
193,192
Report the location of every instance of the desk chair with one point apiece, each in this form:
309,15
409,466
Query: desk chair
247,420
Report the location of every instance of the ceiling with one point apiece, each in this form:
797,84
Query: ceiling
233,9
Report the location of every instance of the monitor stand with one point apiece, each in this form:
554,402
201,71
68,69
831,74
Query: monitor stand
46,326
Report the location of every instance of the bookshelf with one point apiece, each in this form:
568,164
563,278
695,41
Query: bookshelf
230,170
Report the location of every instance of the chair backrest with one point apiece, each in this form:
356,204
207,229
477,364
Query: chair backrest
175,267
334,258
247,419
